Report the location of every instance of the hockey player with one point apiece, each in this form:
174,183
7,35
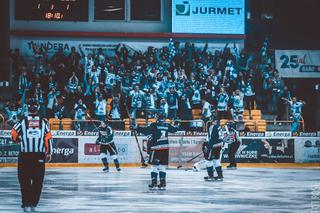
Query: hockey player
233,141
159,148
33,134
106,142
212,150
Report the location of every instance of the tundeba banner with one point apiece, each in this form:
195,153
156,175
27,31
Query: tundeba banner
208,16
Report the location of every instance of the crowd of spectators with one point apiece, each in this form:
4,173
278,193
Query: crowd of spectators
175,78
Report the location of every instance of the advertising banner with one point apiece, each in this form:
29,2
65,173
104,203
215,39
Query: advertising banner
5,133
298,63
264,151
307,150
208,16
251,150
65,150
27,46
126,146
8,150
183,149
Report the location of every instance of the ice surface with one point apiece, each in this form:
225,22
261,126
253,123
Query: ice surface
91,190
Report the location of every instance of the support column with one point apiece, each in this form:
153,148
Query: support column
4,40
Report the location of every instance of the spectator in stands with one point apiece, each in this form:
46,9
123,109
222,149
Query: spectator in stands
249,95
115,112
196,96
79,113
295,113
13,113
151,100
24,81
59,111
100,108
237,105
277,91
78,93
80,110
206,110
68,102
52,101
39,97
184,109
172,100
74,60
52,83
164,106
73,82
136,100
222,105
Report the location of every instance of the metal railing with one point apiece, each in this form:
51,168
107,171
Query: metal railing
199,125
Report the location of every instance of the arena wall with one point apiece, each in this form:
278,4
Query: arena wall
80,148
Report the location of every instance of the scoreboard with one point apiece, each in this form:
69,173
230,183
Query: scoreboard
51,10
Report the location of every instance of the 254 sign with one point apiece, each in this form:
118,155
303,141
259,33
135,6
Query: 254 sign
291,61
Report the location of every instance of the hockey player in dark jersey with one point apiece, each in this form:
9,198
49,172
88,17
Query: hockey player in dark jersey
212,150
158,148
106,142
233,144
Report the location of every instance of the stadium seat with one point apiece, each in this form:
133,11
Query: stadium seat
54,123
261,125
256,114
141,121
251,125
126,124
67,123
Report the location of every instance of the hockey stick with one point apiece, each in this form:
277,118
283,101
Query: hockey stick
91,120
188,161
143,164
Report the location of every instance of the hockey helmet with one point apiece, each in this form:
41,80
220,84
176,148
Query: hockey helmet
161,116
104,122
231,125
32,106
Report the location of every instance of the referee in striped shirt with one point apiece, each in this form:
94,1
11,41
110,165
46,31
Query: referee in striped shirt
33,134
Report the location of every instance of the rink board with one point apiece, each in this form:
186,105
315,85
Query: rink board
70,147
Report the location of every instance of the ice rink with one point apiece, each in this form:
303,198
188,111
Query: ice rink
91,190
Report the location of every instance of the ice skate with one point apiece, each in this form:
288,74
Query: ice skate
218,178
153,185
209,178
162,185
220,174
27,209
232,167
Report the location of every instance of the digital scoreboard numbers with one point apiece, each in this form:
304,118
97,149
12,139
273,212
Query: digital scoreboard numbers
51,10
208,16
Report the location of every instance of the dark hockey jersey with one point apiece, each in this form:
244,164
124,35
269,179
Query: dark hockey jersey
105,135
159,134
215,136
